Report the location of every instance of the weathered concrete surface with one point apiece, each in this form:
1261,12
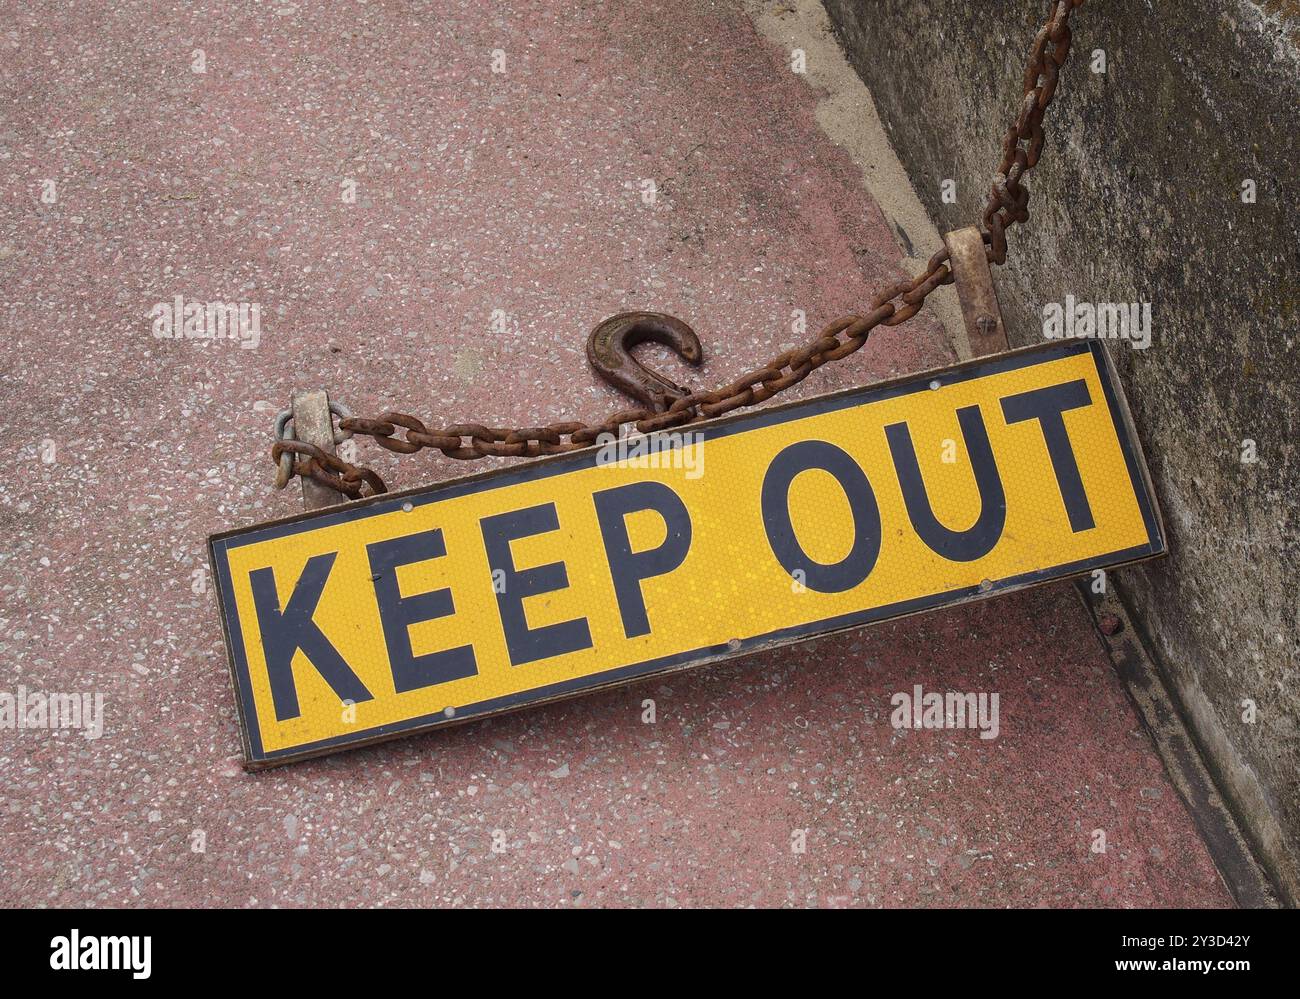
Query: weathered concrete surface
1138,198
476,191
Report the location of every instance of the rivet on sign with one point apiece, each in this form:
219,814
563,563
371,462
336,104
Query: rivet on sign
449,711
733,644
934,384
407,508
986,584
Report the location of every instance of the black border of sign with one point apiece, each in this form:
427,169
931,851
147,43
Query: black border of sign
220,544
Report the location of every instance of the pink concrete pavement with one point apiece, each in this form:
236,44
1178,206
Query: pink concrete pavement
518,191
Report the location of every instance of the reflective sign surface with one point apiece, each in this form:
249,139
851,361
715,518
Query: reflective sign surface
409,611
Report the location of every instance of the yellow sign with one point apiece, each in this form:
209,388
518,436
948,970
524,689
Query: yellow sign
409,611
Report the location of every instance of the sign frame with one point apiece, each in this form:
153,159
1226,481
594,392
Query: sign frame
255,758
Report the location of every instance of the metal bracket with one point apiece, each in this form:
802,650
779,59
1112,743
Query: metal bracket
979,300
313,424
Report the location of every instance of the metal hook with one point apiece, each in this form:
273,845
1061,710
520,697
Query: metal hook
609,353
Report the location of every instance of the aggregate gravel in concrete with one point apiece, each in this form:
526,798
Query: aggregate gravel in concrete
497,217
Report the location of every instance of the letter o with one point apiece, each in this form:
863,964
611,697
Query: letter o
856,566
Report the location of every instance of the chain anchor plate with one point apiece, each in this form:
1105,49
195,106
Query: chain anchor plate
968,258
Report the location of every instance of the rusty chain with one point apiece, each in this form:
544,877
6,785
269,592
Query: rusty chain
1007,205
1009,199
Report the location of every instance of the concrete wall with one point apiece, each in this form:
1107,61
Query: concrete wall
1138,198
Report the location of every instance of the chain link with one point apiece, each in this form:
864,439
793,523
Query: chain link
1008,204
1009,199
